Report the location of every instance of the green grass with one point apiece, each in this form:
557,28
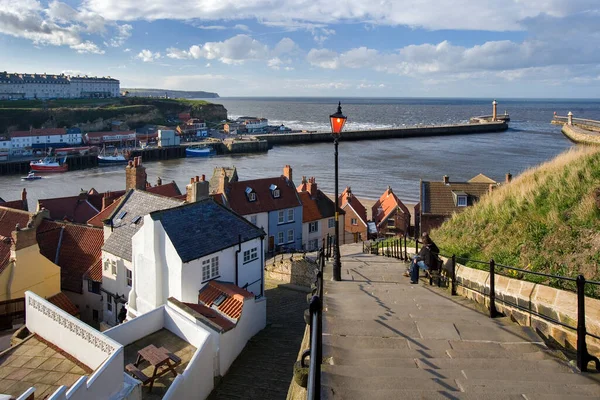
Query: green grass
546,220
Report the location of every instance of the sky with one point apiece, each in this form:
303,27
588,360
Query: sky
346,48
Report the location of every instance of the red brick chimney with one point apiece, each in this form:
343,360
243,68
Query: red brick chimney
197,189
287,172
508,178
135,175
311,187
446,179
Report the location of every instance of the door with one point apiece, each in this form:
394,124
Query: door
95,315
271,243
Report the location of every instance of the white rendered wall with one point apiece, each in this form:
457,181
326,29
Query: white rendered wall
137,328
115,284
262,221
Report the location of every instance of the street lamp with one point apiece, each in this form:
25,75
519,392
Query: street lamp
338,120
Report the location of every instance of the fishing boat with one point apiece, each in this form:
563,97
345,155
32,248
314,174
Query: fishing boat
50,164
31,177
199,151
116,158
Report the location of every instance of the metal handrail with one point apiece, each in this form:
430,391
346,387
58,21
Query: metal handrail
313,388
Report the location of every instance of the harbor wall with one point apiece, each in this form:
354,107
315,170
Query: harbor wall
392,133
580,135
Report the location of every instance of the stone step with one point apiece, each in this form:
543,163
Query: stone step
484,386
499,364
513,355
365,342
391,372
385,383
329,393
346,353
510,376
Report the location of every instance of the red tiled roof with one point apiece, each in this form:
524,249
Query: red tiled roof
75,208
9,218
167,190
438,197
387,202
97,219
348,198
314,209
213,315
16,204
79,250
238,201
234,297
40,132
95,272
61,301
5,243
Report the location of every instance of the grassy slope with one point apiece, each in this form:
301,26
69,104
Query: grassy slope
545,220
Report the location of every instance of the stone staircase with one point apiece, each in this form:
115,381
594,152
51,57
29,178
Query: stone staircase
384,338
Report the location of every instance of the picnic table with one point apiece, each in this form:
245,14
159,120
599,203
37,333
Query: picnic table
160,358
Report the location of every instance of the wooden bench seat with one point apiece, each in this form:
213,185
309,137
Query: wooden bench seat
137,373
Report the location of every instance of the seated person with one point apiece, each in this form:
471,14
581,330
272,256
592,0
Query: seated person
426,258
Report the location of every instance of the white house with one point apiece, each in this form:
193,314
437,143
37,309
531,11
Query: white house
179,250
21,141
318,215
168,137
117,260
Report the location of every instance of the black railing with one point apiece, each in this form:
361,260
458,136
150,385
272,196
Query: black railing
315,350
583,356
394,247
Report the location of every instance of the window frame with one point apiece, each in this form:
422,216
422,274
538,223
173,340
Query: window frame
461,201
280,237
293,237
353,221
331,223
280,217
250,255
210,269
290,211
128,277
109,304
313,227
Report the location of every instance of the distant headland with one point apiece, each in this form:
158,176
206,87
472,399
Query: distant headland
181,94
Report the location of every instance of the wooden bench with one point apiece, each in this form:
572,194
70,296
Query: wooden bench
172,356
137,373
435,273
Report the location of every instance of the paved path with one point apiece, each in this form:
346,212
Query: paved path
388,339
265,367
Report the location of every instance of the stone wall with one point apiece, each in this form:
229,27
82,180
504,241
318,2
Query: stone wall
560,305
293,269
579,135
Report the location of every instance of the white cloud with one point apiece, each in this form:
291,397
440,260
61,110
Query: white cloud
148,56
323,58
123,33
212,27
429,14
237,50
127,50
242,27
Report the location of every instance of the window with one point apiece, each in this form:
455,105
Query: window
391,222
290,214
354,221
313,244
109,305
113,267
253,219
280,217
210,268
331,223
93,287
250,255
290,236
280,238
129,276
251,196
276,193
313,227
461,201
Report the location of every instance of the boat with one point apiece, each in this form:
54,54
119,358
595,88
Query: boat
116,158
50,164
199,151
31,177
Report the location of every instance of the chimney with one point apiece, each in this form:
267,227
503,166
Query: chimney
223,182
159,181
389,190
446,179
25,237
492,187
106,200
508,178
287,172
135,175
24,199
311,187
197,189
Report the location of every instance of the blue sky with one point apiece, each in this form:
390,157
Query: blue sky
384,48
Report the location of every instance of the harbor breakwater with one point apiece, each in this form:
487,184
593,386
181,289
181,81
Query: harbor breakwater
390,133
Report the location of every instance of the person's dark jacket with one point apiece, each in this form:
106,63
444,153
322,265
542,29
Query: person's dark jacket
429,255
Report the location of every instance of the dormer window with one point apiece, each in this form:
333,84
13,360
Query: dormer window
274,191
461,201
250,194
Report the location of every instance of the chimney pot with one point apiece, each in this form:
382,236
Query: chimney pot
24,194
287,172
446,179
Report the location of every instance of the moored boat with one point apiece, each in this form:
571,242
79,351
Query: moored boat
199,152
49,164
116,158
31,177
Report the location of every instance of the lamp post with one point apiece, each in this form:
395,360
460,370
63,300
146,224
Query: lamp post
337,124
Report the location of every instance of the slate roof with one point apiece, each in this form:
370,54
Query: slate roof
135,204
437,197
388,202
318,208
265,202
204,227
74,248
347,198
167,190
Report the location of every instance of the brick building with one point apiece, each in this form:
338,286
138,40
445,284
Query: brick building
390,215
